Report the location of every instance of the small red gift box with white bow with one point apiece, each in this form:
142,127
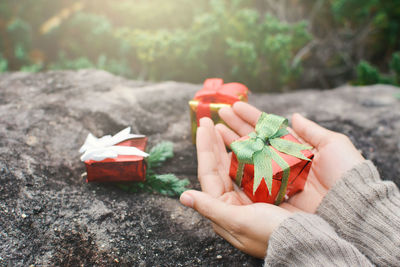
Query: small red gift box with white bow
118,158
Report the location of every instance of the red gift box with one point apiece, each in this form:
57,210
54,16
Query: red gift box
211,98
299,170
120,169
215,91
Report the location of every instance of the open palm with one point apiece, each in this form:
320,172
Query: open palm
234,216
248,225
334,154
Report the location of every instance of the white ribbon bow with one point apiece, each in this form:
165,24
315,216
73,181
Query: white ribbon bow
101,148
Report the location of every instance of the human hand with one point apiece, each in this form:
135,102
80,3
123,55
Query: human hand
244,224
334,153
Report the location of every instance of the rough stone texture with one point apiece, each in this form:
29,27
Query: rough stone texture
50,216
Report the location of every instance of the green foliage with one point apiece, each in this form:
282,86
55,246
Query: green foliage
103,62
382,20
21,35
180,40
159,154
229,41
383,16
395,67
32,68
72,64
3,64
368,74
242,40
165,184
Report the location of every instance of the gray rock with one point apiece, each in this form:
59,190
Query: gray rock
50,216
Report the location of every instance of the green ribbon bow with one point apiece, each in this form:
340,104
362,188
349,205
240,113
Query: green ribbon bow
257,150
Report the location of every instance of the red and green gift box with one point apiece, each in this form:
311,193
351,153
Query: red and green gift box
270,164
211,98
118,158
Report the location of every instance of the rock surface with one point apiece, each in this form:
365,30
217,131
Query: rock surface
50,216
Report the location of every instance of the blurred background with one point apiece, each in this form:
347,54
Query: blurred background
268,45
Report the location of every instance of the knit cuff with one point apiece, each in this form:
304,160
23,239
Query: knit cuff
343,191
365,211
307,240
348,192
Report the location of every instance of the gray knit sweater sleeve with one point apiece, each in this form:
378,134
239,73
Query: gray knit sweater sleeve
307,240
358,225
365,211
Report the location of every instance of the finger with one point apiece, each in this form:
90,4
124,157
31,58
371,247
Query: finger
309,131
235,122
301,140
220,167
212,208
292,132
247,112
224,162
227,134
207,164
221,146
220,154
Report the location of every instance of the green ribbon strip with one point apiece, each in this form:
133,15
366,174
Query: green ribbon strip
257,150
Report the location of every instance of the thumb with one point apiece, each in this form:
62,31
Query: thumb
213,209
309,131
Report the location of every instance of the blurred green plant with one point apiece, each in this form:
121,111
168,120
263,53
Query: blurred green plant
381,17
3,64
20,31
257,42
368,74
229,41
395,67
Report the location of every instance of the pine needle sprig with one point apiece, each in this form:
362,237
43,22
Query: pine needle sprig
165,184
159,154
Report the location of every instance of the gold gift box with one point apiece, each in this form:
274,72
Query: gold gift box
214,108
